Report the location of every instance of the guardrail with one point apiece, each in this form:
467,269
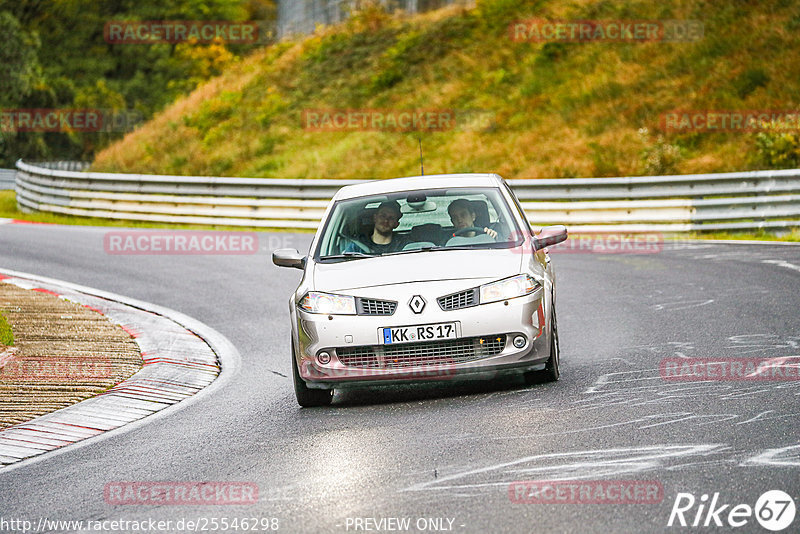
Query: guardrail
7,179
729,201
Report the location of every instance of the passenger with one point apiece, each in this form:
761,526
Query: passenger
383,239
463,215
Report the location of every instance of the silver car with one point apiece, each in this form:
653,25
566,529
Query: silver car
423,278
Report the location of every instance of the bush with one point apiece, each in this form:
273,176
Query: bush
749,81
659,157
778,150
396,61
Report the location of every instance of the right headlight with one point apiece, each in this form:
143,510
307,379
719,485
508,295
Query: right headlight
508,288
316,302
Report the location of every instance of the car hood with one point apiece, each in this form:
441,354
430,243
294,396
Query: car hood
425,266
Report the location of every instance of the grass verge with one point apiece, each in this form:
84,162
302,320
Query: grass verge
6,335
788,235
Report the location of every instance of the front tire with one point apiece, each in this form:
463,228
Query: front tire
552,371
306,397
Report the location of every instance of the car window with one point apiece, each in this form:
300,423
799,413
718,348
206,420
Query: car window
425,221
518,205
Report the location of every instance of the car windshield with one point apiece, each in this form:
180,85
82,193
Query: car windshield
415,221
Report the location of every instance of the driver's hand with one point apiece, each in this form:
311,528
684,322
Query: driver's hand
491,233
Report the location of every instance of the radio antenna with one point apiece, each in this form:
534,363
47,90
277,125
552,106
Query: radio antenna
421,163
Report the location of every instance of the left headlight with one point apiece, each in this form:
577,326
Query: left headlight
508,288
315,302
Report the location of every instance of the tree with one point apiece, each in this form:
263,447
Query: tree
18,57
75,66
21,72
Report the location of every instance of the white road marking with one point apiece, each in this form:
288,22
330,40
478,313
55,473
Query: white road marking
781,263
577,465
676,417
754,418
782,457
602,380
681,305
680,417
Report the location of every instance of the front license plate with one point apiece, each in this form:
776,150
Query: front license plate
422,332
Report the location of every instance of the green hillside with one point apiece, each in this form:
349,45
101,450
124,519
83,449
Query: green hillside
544,109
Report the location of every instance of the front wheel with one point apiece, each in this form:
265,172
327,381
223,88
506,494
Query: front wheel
306,397
551,371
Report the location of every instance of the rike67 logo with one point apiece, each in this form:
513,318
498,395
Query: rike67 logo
774,510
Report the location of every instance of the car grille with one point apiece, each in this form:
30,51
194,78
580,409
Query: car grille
456,301
450,351
375,307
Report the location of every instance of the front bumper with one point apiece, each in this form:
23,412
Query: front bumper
316,333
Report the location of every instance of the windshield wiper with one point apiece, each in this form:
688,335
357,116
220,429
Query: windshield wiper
429,248
458,247
410,251
349,256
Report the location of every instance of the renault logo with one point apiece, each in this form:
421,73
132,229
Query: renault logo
417,304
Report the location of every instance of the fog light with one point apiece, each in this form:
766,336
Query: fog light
324,358
519,341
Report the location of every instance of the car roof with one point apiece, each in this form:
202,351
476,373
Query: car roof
433,181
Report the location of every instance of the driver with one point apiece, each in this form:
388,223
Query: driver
383,239
463,215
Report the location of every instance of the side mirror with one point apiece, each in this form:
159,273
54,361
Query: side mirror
550,235
288,257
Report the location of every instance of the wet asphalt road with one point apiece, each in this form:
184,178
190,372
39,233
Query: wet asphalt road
443,455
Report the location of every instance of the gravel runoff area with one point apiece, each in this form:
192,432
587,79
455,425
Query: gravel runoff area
63,353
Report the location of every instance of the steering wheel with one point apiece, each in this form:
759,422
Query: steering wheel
364,248
468,229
